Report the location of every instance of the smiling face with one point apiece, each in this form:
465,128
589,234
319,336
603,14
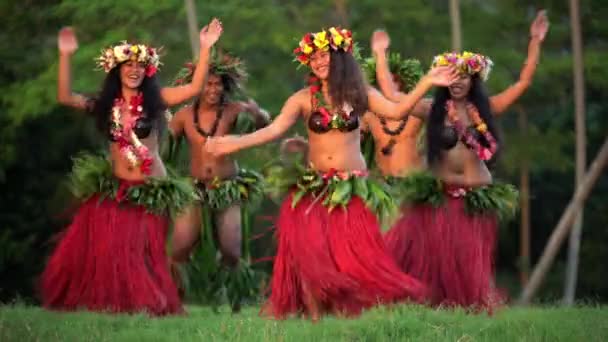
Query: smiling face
214,88
132,74
460,89
319,64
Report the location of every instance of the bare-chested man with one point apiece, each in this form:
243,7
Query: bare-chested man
214,113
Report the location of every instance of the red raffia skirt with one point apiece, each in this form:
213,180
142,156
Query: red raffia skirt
449,250
111,258
336,260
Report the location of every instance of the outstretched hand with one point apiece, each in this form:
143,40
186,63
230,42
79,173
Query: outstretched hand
210,34
380,41
443,76
219,146
66,41
540,26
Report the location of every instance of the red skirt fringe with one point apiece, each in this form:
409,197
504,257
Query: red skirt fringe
450,251
111,258
336,260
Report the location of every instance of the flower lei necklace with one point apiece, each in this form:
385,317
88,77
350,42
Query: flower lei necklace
484,153
336,120
130,146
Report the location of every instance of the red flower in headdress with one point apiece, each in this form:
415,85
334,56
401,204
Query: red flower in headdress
151,70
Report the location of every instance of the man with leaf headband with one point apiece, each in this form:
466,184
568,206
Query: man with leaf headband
223,187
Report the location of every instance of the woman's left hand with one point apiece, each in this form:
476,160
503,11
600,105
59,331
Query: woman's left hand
219,146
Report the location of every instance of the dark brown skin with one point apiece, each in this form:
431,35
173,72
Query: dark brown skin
405,156
205,167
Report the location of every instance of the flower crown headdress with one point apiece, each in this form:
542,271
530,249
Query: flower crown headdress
408,71
467,62
120,53
335,38
221,64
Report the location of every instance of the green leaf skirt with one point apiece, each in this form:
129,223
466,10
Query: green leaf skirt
422,187
247,187
332,189
92,175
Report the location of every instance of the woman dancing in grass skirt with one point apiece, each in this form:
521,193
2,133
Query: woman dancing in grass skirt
331,257
112,256
447,235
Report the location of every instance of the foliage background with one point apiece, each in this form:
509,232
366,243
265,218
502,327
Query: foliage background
38,137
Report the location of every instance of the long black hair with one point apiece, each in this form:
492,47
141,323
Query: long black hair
478,97
154,106
346,83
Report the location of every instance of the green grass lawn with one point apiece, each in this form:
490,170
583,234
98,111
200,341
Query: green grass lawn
405,323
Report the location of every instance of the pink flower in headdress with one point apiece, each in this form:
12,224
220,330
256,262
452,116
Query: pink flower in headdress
151,70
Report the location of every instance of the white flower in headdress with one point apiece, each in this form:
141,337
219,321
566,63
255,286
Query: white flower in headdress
143,54
121,53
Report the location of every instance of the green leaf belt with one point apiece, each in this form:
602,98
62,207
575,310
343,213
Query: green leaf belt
92,175
424,188
247,187
332,189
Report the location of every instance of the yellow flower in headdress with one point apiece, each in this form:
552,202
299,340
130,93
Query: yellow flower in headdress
306,49
113,56
336,36
466,62
321,41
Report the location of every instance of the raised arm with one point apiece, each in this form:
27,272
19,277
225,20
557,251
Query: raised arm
379,44
538,30
67,44
440,76
288,116
260,116
208,36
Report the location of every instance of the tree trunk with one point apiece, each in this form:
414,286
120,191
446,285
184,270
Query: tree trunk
565,223
456,27
341,11
579,113
192,27
524,197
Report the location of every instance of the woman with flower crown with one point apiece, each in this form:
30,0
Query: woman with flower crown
392,145
112,256
447,238
331,257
